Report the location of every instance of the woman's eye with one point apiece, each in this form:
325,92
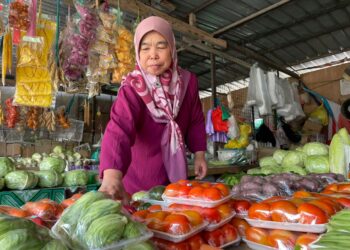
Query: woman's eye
145,48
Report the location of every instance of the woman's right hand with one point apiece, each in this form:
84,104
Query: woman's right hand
112,185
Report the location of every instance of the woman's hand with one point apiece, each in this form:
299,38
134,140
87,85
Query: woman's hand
200,165
112,185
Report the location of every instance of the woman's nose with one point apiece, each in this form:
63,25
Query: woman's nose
153,53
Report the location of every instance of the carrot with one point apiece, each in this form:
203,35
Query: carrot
43,210
67,202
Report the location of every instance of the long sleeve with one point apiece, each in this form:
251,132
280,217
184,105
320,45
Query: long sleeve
120,132
196,136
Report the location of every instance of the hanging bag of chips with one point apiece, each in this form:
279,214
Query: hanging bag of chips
19,18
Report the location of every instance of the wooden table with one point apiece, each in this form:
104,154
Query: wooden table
213,170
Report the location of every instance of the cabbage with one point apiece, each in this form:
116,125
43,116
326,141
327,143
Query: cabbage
294,158
49,178
315,148
140,246
77,177
279,154
300,149
54,245
58,150
37,157
6,166
254,171
20,180
337,158
53,163
267,161
105,230
270,170
2,183
139,195
20,239
133,230
344,135
317,164
293,169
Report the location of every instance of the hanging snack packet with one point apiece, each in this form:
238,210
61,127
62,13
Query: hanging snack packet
30,52
19,17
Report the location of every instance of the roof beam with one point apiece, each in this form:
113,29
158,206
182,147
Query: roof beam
249,17
310,16
202,6
138,8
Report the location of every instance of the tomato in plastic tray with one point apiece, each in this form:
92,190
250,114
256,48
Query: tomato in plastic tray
223,236
213,226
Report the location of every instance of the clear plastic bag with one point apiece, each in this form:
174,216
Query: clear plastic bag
30,51
19,15
222,237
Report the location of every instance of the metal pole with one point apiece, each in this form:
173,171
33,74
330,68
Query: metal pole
213,93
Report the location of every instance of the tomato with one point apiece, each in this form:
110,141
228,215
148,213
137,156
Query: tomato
311,214
328,208
195,242
259,211
332,187
172,190
196,192
154,208
281,239
140,215
283,211
211,214
178,207
154,220
257,235
167,245
206,185
230,233
183,191
184,182
194,183
225,210
304,240
344,188
177,224
214,238
241,225
328,192
302,194
331,201
225,191
297,201
194,217
274,198
212,194
241,206
344,201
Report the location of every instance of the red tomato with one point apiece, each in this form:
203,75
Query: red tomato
344,201
283,211
241,206
331,201
260,211
184,182
225,210
311,214
215,238
210,214
172,190
225,191
329,209
241,225
332,187
195,242
154,208
154,220
167,245
344,188
304,240
302,194
140,215
257,235
212,194
177,224
281,239
183,191
196,192
230,233
297,201
274,198
205,185
194,217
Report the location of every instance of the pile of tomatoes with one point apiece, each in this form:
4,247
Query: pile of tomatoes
197,190
295,210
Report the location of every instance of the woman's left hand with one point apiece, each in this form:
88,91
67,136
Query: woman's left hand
200,165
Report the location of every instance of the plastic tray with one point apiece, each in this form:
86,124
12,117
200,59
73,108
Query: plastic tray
212,227
155,202
308,228
193,202
179,238
256,246
235,242
242,215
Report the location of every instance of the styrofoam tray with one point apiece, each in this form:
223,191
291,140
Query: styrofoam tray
242,215
178,238
212,227
193,202
256,246
308,228
155,202
235,242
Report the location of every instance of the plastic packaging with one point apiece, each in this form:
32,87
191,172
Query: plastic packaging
256,246
45,209
226,234
19,17
214,226
30,52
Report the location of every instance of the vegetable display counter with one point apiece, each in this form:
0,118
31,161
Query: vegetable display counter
214,169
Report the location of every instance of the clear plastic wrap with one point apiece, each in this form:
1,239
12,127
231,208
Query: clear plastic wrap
45,209
225,235
30,52
263,239
19,15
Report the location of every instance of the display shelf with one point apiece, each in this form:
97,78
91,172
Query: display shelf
212,170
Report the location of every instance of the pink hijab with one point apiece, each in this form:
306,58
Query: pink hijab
163,96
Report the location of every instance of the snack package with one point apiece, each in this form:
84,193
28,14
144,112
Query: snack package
19,15
30,52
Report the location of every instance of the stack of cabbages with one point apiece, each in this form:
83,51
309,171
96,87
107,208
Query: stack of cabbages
95,222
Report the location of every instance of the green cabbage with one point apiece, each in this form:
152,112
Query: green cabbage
294,158
300,149
105,230
270,170
254,171
77,177
6,166
317,164
2,183
133,230
20,180
279,154
344,135
337,158
58,150
8,223
37,157
96,210
53,163
20,239
54,245
140,246
267,161
294,169
49,178
315,148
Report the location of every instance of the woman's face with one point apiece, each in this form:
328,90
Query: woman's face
155,53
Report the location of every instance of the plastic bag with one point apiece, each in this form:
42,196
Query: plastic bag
19,15
233,130
30,51
320,113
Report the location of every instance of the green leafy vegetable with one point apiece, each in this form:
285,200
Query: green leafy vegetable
317,164
315,148
53,163
6,166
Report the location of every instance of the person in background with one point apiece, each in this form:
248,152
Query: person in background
156,113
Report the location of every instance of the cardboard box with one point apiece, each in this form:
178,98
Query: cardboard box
312,126
28,150
13,149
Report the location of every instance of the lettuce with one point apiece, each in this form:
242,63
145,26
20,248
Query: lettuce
267,161
54,245
317,164
315,148
6,166
53,163
279,154
140,246
133,230
294,158
77,177
294,169
49,178
21,180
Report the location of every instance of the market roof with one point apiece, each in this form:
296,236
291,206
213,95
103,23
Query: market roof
277,33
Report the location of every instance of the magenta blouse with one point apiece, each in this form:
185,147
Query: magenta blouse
132,139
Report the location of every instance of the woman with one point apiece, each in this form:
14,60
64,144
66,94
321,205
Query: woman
156,113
